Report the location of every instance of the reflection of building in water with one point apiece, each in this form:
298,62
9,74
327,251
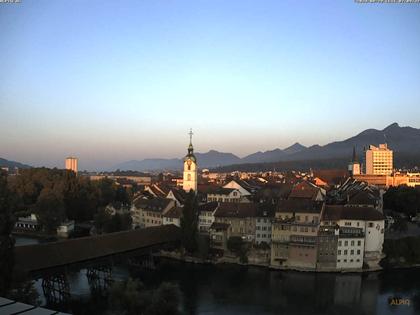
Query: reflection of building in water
347,289
370,293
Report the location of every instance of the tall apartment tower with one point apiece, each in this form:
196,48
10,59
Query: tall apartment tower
190,169
71,164
379,160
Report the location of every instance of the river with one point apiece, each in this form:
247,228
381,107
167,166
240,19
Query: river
232,289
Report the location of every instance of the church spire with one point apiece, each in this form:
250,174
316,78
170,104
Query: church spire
354,158
190,147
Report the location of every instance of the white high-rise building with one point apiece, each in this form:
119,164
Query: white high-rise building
71,164
190,169
379,160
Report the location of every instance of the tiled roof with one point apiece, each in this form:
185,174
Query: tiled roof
219,226
340,212
221,191
300,206
236,210
175,213
209,206
156,204
304,190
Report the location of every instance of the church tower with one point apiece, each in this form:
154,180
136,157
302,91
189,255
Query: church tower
190,168
354,165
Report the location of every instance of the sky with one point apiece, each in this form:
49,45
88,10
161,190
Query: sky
111,81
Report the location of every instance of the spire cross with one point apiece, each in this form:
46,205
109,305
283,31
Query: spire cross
191,134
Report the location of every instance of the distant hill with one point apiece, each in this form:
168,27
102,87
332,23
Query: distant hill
206,160
405,141
12,164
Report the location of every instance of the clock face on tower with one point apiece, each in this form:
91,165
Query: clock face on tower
189,162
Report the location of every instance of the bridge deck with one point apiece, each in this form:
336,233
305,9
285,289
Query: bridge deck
37,257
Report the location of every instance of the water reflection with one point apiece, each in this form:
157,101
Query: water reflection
231,289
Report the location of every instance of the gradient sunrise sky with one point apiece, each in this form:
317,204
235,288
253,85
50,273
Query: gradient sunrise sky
110,81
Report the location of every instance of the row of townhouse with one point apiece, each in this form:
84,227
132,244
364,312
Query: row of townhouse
311,235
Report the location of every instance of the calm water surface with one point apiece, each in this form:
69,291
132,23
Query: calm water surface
230,289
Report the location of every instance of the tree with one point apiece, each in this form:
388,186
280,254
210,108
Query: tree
131,297
107,223
400,225
6,240
189,222
237,246
49,210
402,199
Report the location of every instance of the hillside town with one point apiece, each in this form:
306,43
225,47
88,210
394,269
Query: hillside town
328,220
325,220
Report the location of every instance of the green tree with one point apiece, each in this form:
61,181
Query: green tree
6,240
237,246
49,210
131,297
189,222
400,225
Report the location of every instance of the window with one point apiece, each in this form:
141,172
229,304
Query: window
189,167
370,224
345,252
306,218
189,177
359,243
298,218
352,243
347,223
345,260
339,252
339,243
352,252
346,243
338,260
358,252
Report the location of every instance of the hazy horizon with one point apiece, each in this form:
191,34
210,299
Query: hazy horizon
113,81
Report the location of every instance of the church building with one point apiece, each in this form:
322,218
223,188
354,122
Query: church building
190,169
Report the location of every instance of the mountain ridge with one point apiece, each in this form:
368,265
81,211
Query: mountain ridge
404,140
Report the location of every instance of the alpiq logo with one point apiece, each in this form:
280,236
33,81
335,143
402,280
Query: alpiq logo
397,301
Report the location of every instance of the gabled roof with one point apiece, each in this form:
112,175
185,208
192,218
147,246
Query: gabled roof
179,194
219,226
236,210
300,206
221,191
175,213
340,212
304,189
156,204
209,206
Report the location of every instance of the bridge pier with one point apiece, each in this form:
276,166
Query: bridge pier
56,288
144,262
99,278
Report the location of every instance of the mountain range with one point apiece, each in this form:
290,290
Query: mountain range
12,164
405,141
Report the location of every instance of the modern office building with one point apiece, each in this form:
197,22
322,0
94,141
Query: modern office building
71,164
379,160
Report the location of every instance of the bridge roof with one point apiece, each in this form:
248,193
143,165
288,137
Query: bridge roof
49,255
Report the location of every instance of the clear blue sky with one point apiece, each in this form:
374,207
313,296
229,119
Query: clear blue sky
110,81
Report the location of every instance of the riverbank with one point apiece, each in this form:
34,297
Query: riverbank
36,235
225,260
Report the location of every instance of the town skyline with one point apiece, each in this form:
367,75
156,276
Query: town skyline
289,153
